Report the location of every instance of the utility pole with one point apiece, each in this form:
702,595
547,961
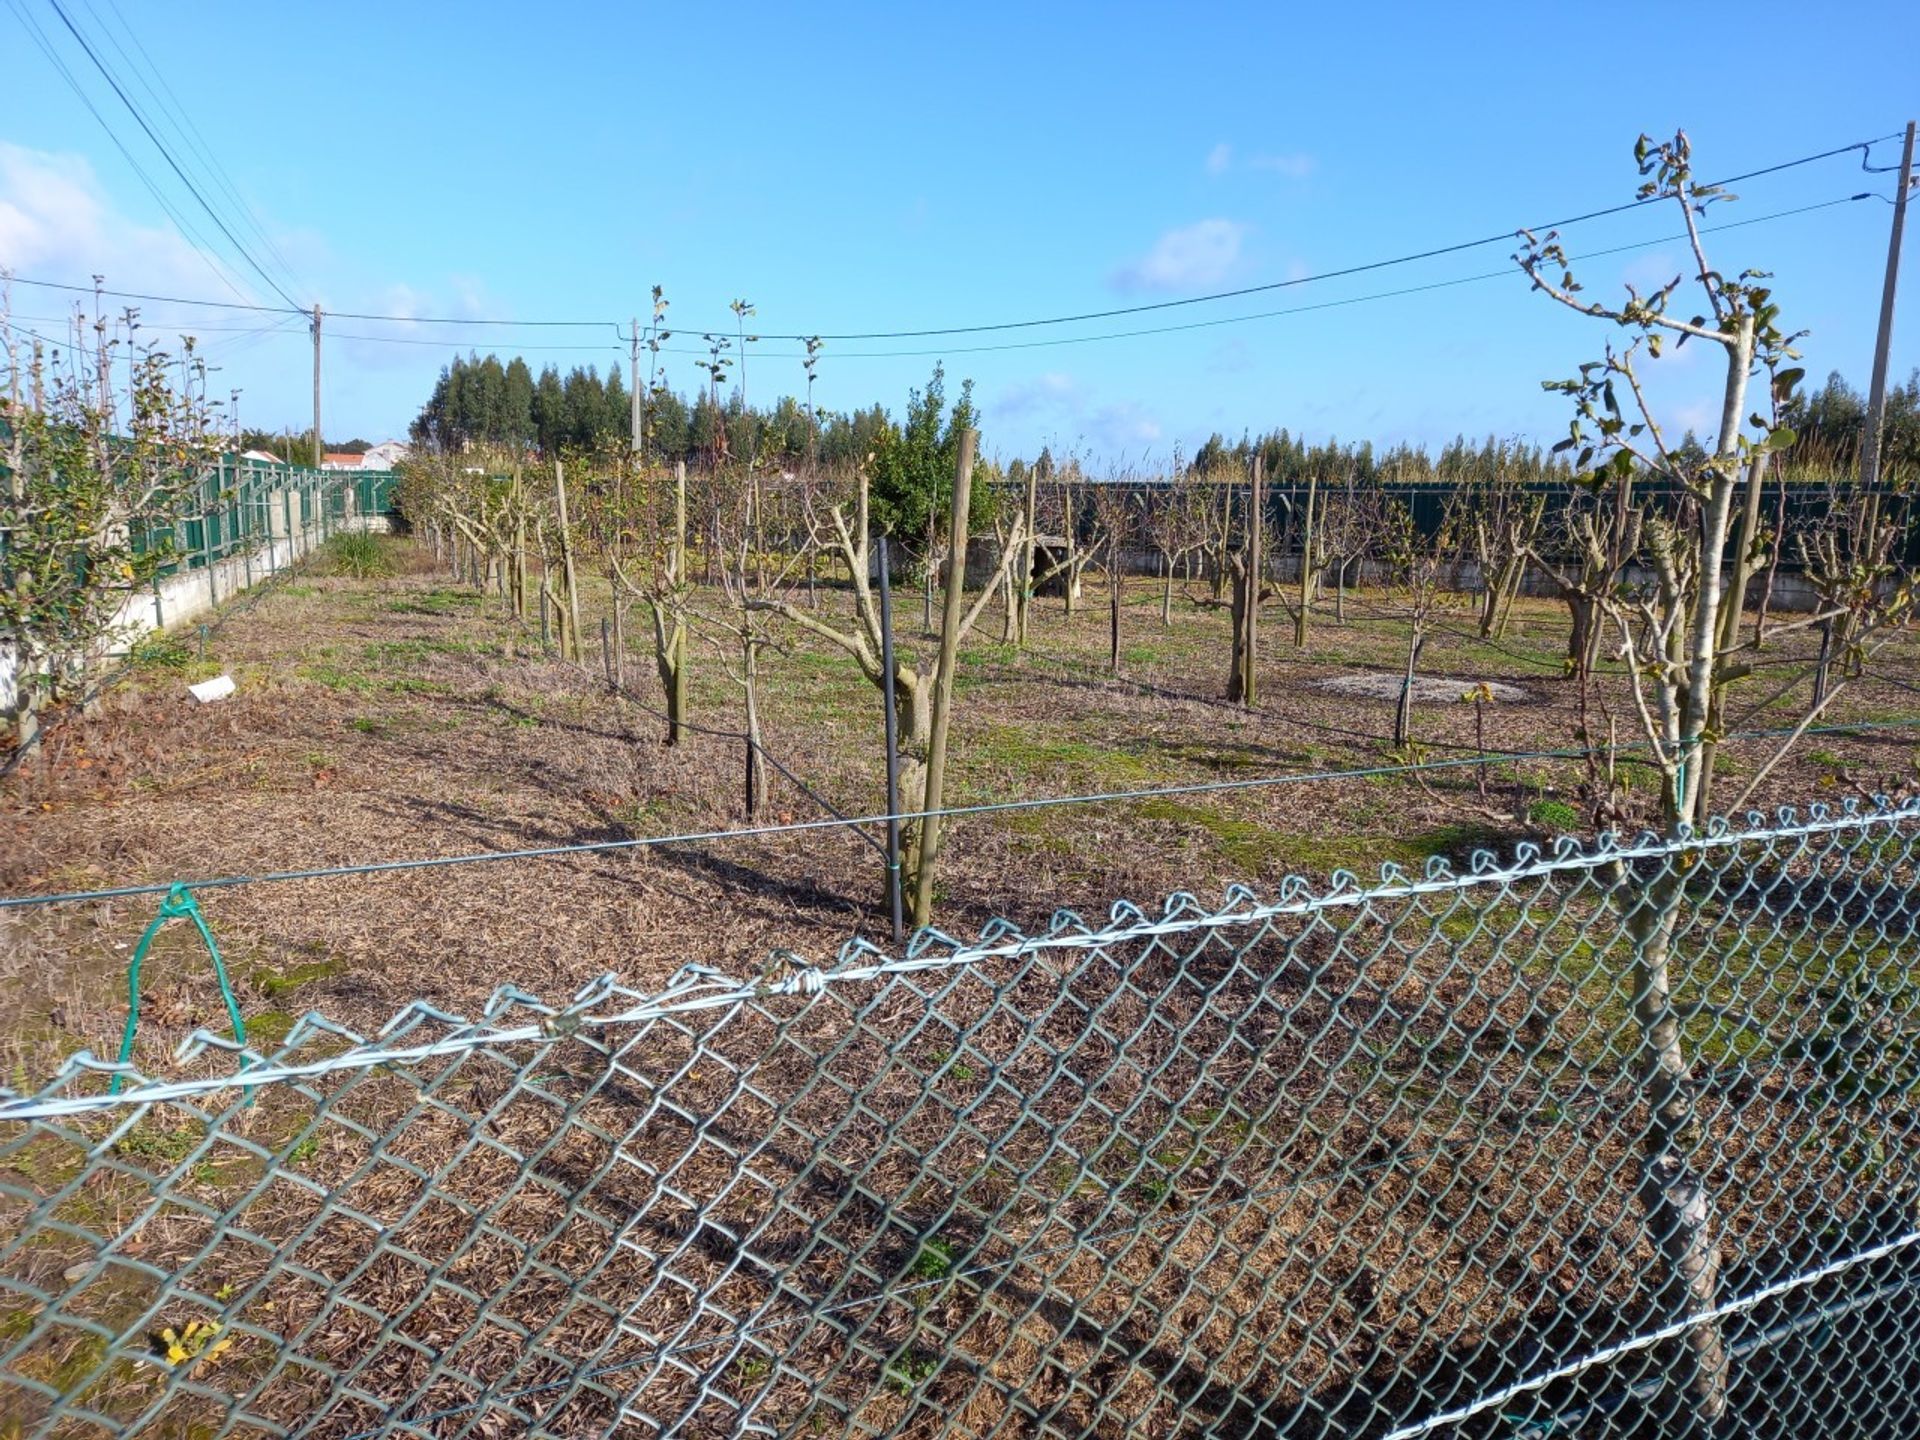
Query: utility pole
1877,392
633,379
319,451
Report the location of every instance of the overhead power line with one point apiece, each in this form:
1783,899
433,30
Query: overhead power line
1505,273
167,155
1372,297
1499,237
149,76
201,246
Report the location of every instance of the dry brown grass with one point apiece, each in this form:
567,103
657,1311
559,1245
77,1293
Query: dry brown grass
401,718
404,718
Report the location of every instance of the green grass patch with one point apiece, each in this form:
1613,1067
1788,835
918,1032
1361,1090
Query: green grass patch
326,673
935,1260
1247,846
275,984
441,601
268,1028
1018,748
358,556
1554,815
161,651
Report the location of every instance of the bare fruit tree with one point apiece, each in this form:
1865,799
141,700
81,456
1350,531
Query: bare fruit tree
1696,537
1421,574
1175,523
1504,520
845,530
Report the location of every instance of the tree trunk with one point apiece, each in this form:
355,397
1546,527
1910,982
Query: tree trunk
1583,639
1773,561
941,708
572,647
1489,601
1249,576
1510,593
913,703
1306,566
619,676
1677,1203
1032,550
1403,713
669,623
26,719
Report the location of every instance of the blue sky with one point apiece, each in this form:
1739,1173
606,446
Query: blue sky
888,167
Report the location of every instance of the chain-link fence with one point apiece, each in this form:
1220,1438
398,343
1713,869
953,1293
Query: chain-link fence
240,506
1602,1142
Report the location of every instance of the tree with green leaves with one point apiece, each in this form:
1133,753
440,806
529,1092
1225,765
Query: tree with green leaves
97,473
913,466
1679,639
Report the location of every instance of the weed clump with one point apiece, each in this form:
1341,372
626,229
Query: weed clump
358,557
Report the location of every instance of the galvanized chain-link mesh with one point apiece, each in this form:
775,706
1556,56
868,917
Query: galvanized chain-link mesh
1388,1160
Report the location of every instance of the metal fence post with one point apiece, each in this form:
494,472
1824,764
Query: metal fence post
206,547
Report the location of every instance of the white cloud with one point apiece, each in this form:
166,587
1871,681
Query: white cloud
1233,357
1203,253
57,223
1295,166
1058,405
1050,392
1126,430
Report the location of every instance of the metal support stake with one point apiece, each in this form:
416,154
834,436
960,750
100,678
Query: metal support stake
206,551
894,898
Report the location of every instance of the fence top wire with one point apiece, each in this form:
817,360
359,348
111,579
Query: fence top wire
992,807
513,1017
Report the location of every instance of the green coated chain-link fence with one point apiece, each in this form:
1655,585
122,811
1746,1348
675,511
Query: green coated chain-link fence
241,505
1616,1141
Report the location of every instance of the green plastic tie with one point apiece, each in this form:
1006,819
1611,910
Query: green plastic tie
178,904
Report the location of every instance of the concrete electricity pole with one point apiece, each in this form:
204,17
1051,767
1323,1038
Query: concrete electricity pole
633,380
1877,392
319,448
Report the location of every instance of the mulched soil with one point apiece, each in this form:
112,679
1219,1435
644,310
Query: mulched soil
1347,1178
405,717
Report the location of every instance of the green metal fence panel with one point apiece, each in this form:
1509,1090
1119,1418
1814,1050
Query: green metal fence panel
1386,1160
233,506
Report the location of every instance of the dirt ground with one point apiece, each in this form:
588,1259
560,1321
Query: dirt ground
408,717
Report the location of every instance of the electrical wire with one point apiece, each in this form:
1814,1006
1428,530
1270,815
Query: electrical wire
169,104
1504,273
167,155
200,245
1503,236
1499,237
